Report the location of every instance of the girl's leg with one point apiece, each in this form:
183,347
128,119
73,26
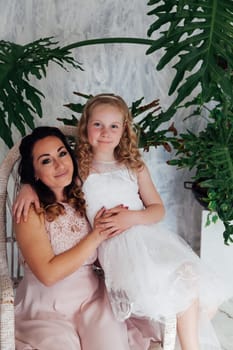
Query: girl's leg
187,328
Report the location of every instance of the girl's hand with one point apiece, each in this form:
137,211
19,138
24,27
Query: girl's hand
23,201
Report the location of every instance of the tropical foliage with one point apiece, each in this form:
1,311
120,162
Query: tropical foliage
211,153
20,102
196,36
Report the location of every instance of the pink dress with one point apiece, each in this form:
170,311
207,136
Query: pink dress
74,313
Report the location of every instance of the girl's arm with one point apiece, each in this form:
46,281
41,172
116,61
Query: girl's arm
23,201
154,211
36,249
154,208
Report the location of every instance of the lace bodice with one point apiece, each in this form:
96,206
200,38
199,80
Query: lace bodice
67,230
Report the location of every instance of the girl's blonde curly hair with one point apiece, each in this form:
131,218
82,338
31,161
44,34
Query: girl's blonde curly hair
126,152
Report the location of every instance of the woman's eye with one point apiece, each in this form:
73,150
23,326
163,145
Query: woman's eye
46,161
63,153
114,126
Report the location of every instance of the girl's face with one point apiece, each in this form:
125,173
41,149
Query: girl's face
52,164
105,128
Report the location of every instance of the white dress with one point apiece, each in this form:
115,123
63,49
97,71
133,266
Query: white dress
149,271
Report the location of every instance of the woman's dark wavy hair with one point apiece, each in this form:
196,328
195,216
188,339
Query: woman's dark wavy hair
26,171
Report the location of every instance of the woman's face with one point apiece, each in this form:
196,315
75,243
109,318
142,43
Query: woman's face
52,164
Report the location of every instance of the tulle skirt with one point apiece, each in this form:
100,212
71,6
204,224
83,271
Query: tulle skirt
152,272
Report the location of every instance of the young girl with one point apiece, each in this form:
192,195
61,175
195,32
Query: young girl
149,271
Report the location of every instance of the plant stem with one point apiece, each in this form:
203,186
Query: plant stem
125,40
229,161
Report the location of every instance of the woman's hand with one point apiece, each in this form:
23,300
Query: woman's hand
116,220
104,226
23,201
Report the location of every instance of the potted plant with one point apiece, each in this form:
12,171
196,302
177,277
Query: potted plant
198,36
196,39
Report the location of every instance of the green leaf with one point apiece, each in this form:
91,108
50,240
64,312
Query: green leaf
66,121
21,102
198,32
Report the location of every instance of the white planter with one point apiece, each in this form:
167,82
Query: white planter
213,250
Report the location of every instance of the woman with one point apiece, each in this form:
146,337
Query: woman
60,303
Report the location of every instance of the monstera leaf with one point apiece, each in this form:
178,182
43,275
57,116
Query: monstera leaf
197,35
20,102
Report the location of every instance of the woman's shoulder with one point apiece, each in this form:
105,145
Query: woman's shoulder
35,217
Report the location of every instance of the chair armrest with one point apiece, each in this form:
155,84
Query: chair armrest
7,336
6,290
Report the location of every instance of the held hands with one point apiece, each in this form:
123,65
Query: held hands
113,221
22,203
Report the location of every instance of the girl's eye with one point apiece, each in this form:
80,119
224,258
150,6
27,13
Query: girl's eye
97,125
114,126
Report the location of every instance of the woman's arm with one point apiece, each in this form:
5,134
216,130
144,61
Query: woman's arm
36,249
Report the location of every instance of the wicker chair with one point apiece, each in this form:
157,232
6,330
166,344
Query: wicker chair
10,270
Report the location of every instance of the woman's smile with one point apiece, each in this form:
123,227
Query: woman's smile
53,164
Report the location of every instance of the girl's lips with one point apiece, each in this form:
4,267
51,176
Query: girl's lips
104,141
